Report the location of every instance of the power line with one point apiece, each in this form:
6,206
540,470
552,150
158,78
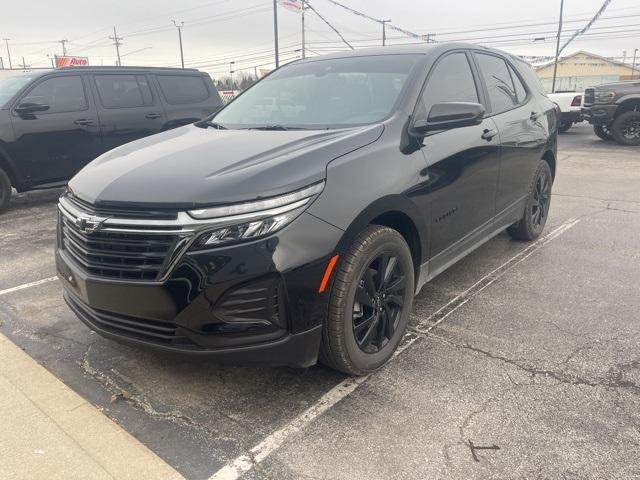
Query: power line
330,26
588,25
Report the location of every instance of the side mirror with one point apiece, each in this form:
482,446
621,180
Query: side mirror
444,116
29,108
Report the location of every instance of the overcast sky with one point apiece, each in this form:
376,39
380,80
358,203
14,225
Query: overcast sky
218,31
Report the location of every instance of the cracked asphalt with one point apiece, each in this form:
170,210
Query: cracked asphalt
534,374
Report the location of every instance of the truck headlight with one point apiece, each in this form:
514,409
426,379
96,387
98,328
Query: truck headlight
251,220
604,97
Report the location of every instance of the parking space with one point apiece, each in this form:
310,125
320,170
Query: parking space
522,361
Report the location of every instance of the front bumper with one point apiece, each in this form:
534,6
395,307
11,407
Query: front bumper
256,302
599,114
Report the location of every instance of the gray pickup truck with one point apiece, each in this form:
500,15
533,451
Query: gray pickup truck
614,111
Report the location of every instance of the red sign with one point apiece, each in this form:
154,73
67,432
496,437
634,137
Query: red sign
64,62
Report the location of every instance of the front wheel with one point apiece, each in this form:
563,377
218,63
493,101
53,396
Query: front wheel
602,131
625,129
370,302
536,209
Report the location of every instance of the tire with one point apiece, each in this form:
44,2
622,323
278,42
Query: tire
359,337
536,209
625,129
602,131
5,190
563,127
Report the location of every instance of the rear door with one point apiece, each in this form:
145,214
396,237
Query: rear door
522,135
462,162
55,144
127,108
187,97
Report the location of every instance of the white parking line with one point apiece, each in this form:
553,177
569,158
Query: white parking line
27,285
242,464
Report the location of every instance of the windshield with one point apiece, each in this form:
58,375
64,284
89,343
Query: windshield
9,86
322,94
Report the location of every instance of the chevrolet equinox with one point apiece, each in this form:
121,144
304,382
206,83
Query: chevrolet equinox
299,221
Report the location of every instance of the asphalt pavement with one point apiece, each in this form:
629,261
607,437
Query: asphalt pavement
522,361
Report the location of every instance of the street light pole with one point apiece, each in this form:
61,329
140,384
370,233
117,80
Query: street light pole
555,63
6,42
179,27
275,31
633,65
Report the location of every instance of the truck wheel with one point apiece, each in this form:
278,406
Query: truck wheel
370,302
626,128
563,127
5,190
602,131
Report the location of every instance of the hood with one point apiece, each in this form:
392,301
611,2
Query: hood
193,166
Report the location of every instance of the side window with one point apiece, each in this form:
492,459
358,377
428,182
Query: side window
123,91
521,92
450,81
179,89
502,93
62,94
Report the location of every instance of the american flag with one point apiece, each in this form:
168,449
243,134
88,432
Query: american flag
294,5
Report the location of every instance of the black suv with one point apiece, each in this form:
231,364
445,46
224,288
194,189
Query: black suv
614,111
54,122
301,219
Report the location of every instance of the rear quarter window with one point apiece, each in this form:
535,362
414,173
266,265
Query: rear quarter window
180,89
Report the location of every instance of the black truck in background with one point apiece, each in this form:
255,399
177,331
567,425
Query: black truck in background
52,123
614,111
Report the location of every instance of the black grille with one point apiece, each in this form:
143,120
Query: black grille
124,256
589,96
150,330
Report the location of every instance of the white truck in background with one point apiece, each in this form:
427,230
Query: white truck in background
569,104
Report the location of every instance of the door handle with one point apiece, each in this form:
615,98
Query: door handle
534,116
152,116
83,121
488,134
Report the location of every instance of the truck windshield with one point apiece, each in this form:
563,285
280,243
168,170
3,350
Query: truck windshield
9,86
322,94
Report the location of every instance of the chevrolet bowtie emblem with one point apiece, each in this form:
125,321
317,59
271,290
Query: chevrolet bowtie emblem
89,224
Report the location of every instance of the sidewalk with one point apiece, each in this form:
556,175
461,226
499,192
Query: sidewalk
49,432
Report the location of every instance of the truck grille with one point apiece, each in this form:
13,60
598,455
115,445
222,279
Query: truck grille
589,96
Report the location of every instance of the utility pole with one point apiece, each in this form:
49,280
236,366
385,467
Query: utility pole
24,64
304,55
633,65
52,58
231,64
275,31
179,27
116,41
384,31
1,64
6,42
555,63
64,46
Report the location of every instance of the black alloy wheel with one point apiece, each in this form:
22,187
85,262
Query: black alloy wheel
626,128
536,209
602,131
370,303
541,198
378,303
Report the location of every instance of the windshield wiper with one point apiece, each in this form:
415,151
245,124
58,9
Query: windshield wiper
276,127
214,125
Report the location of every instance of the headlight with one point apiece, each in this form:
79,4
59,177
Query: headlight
604,97
251,220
